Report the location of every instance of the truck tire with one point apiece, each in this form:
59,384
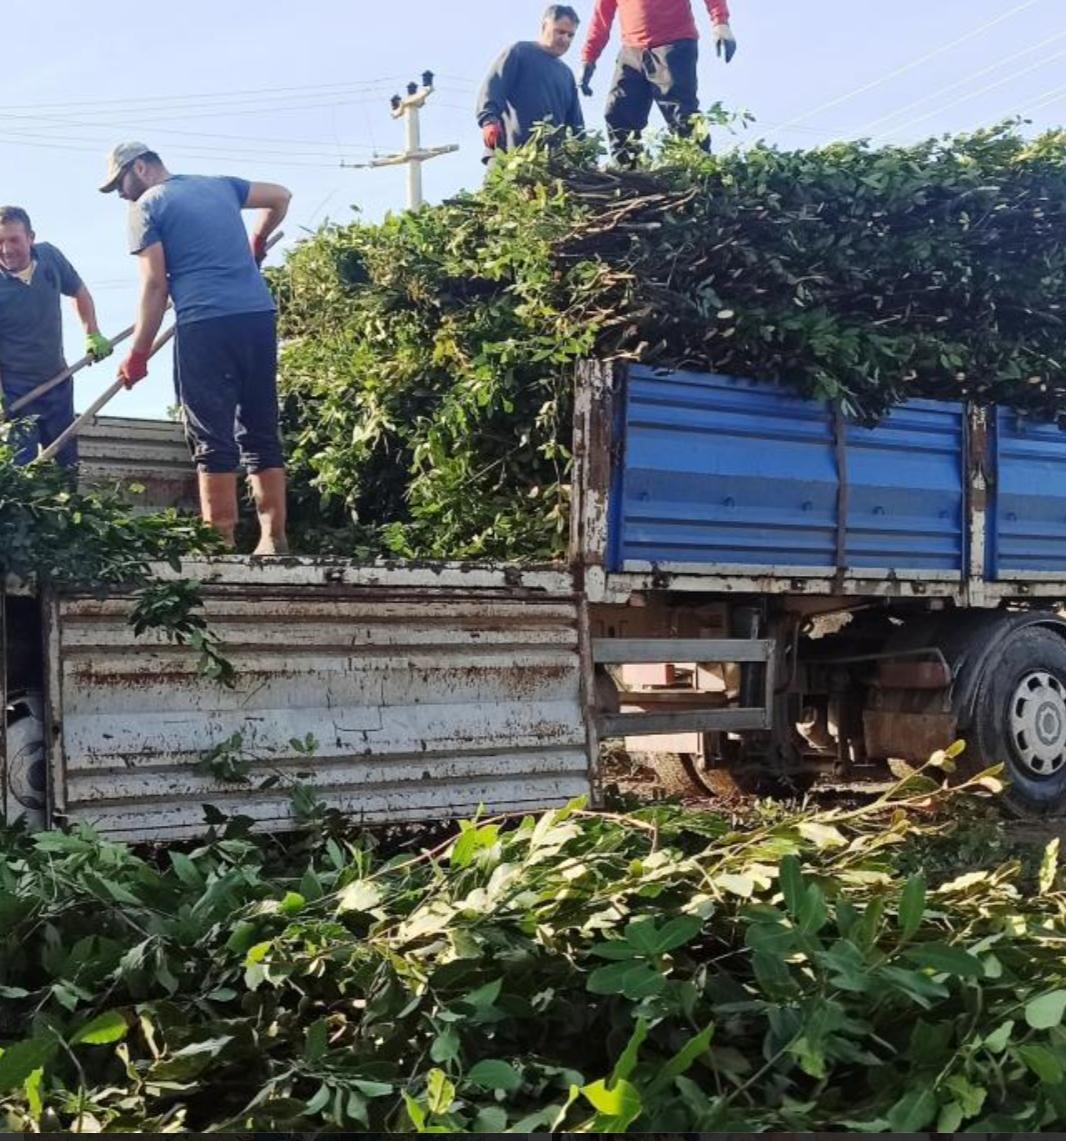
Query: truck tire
685,775
677,775
25,762
1020,718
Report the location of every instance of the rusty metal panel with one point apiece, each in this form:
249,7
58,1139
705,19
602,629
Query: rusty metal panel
430,692
894,735
597,407
150,454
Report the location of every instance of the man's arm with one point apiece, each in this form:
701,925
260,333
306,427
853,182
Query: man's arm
154,295
274,201
96,344
724,41
718,10
575,117
599,30
86,310
500,81
71,285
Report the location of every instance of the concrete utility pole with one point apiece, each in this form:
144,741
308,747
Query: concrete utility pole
409,109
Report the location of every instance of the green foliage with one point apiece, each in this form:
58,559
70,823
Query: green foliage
663,971
429,360
54,535
227,762
57,535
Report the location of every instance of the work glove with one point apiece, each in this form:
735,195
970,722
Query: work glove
492,133
586,79
259,248
98,346
133,368
725,42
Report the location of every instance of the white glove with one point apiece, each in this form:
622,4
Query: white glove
725,42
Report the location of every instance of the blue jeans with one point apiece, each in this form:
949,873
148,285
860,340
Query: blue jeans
43,421
225,372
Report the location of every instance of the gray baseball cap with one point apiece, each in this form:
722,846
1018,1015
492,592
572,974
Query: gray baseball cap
118,160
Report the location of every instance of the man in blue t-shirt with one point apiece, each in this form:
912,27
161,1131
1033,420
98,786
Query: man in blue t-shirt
189,235
34,277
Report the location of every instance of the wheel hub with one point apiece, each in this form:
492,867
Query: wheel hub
1038,723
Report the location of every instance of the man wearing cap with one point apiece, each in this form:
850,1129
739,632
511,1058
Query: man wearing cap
657,64
188,234
33,277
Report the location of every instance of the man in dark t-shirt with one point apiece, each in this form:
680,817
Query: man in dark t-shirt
33,278
530,84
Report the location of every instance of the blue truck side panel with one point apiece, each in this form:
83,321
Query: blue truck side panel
723,471
906,503
729,473
1028,526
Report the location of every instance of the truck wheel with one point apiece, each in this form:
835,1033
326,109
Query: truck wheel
677,775
1021,718
682,774
26,766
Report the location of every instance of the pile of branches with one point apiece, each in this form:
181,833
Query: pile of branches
659,971
430,359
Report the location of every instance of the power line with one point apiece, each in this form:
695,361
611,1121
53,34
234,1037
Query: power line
312,95
277,109
204,110
278,103
459,79
237,93
900,112
908,67
43,142
1045,99
255,152
978,93
249,143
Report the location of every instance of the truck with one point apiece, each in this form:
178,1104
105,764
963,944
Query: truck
758,587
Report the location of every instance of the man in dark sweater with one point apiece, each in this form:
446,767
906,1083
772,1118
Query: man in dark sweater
530,84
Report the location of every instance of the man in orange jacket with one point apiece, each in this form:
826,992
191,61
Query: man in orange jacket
657,64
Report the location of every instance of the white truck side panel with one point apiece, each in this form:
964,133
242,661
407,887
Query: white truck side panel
431,691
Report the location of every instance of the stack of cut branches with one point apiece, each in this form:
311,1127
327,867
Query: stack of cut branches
429,358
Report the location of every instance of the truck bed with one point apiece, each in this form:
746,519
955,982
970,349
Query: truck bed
699,481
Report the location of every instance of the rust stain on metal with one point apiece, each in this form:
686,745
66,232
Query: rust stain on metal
907,736
475,673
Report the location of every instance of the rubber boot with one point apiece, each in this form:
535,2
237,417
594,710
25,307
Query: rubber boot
268,487
218,503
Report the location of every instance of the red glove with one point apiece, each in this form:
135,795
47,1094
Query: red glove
492,133
133,368
259,248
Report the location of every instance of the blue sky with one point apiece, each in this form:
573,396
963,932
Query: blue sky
284,93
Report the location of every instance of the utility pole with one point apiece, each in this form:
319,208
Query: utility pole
409,108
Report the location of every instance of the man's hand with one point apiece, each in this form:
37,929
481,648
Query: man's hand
725,42
98,346
133,368
259,248
492,133
587,73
